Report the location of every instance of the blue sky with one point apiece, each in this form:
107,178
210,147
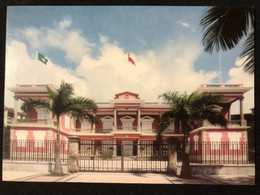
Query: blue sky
88,46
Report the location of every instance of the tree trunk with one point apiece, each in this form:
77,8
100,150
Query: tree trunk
185,169
57,166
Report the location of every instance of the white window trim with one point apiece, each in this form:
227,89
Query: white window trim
196,139
127,119
107,120
149,120
41,114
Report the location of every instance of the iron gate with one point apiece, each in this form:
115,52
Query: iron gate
126,156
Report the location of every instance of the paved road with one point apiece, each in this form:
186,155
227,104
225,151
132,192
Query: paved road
134,178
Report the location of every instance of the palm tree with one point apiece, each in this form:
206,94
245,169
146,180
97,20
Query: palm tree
63,102
224,27
187,110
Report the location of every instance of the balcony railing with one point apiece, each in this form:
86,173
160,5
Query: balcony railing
234,122
173,131
222,85
97,130
133,128
229,123
38,121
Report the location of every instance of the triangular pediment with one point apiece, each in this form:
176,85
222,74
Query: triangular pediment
107,118
127,95
127,118
147,118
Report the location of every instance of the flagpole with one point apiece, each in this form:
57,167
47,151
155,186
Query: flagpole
220,71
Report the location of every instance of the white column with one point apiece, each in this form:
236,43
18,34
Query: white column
241,108
115,120
5,117
242,112
15,109
138,119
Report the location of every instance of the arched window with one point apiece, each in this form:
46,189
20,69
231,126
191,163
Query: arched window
78,124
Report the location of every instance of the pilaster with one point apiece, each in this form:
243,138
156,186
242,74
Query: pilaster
115,120
73,154
15,109
138,119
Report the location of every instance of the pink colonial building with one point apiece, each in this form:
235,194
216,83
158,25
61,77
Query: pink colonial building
126,118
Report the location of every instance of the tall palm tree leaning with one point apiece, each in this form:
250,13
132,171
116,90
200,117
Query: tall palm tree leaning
187,110
224,27
62,101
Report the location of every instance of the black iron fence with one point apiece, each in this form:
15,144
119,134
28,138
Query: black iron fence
123,156
102,156
220,153
31,150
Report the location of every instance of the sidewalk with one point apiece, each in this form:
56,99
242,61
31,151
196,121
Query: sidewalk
130,178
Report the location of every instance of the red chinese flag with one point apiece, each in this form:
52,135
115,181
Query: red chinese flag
131,60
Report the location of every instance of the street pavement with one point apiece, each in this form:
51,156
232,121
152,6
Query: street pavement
129,178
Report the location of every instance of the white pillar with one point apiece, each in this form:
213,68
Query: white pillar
241,109
115,120
138,119
15,109
5,117
243,123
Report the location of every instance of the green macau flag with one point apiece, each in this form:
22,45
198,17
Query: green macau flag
42,58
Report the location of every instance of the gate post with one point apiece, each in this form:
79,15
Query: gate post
172,155
73,154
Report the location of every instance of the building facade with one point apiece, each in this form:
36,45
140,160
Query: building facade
126,119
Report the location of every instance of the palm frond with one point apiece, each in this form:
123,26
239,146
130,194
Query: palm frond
225,26
81,107
53,94
166,119
248,52
170,97
65,91
36,103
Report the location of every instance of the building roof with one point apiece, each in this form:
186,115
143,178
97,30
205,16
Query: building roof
231,92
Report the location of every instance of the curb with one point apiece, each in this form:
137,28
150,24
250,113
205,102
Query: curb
68,177
215,181
29,177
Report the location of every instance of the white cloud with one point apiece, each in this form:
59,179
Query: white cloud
169,68
21,69
184,24
238,76
59,37
154,73
65,24
103,38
